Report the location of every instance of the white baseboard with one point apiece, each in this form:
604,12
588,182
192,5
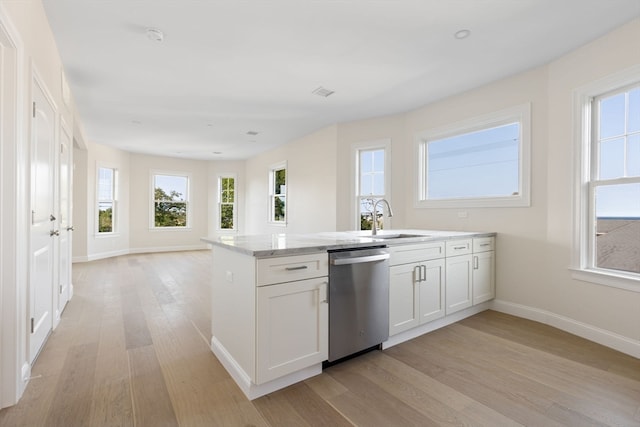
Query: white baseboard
111,254
251,390
592,333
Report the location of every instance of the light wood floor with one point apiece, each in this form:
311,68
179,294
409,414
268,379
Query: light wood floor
132,350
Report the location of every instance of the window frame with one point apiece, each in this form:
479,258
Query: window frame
272,195
152,222
113,201
356,149
522,115
583,248
219,203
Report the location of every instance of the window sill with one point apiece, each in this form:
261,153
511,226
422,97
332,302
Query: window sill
278,223
620,281
156,229
106,235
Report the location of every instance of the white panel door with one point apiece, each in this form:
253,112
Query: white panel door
64,216
43,222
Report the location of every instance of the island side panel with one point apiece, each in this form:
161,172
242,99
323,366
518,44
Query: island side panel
233,306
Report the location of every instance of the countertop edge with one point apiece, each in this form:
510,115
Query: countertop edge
350,242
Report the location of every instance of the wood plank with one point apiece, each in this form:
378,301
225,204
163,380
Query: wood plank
151,402
298,405
74,392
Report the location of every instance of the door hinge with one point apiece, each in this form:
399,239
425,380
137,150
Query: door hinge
33,217
34,108
60,289
32,324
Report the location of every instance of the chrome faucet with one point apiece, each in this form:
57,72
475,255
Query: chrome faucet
374,226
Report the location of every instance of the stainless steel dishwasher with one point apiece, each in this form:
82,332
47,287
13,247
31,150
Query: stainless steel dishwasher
358,300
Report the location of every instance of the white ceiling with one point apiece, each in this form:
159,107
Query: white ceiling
227,67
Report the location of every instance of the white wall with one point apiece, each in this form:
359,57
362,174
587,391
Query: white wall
311,185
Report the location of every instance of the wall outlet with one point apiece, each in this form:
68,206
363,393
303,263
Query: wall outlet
229,277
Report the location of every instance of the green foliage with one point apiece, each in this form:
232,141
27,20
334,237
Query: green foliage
170,209
105,220
226,217
278,212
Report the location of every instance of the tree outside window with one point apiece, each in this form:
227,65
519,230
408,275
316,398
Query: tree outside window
278,204
106,195
170,200
371,186
226,202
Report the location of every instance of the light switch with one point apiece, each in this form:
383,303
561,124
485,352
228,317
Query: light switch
229,277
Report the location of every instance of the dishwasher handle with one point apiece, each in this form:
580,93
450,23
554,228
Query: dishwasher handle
359,259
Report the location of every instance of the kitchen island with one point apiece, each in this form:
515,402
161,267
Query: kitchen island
269,317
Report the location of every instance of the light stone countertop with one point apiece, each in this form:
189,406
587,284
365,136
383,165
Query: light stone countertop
272,245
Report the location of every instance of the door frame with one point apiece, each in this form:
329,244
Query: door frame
14,369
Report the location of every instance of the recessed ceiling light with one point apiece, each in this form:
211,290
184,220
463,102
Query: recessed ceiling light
462,34
321,91
217,152
136,122
252,133
155,34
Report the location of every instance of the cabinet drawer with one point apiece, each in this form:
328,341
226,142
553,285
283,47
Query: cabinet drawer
405,254
288,269
458,247
484,244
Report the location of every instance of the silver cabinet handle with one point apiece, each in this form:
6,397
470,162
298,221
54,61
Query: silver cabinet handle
485,244
360,259
417,277
423,269
300,267
459,247
475,262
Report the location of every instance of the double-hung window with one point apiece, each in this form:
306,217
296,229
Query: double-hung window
227,202
278,194
608,208
371,162
170,200
482,162
106,198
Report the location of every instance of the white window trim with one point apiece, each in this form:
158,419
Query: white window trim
115,233
384,144
152,220
219,178
274,167
521,114
580,262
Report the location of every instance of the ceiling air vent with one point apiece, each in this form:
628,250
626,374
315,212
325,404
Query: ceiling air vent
321,91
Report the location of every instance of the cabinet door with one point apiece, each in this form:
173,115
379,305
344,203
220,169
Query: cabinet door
458,283
483,276
403,298
292,327
431,291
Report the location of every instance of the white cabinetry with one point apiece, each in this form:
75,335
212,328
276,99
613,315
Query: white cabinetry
269,318
458,275
292,327
484,287
416,285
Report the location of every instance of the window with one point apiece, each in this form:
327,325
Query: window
278,194
607,248
106,195
370,163
170,200
227,202
483,162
